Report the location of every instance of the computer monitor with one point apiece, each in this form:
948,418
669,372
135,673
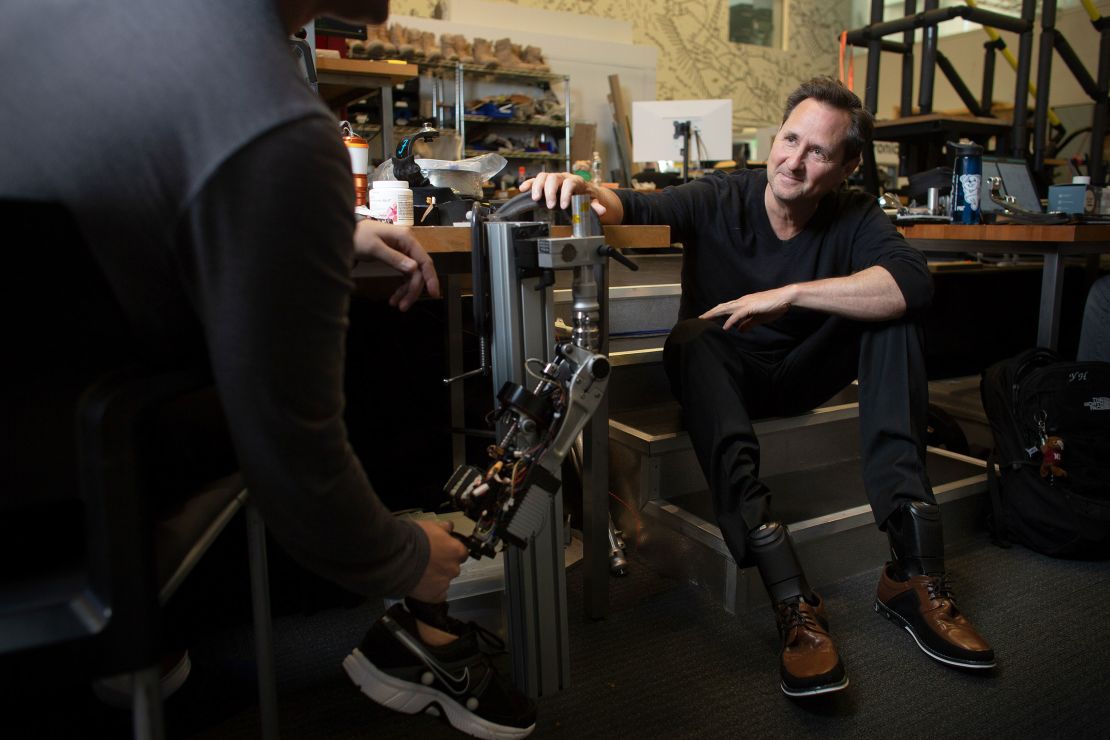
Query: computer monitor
1017,181
653,129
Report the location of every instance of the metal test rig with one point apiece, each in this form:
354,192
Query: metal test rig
548,393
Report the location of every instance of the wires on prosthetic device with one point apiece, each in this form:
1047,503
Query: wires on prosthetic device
508,501
916,540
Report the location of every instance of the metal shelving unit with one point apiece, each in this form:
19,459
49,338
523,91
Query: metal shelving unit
541,80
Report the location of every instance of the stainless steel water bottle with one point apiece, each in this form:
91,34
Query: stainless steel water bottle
967,180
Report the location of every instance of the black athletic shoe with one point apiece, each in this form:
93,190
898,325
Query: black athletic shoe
396,669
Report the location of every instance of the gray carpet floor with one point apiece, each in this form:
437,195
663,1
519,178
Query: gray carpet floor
669,663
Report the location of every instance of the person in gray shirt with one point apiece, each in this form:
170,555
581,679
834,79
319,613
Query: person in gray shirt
213,190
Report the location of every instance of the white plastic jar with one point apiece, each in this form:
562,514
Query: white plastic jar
391,201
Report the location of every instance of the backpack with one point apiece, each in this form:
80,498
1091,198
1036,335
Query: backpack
1051,426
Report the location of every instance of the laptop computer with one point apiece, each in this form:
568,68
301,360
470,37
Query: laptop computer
1017,181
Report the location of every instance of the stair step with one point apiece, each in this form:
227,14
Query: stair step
826,512
650,455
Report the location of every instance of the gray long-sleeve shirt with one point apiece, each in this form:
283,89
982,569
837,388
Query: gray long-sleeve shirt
212,188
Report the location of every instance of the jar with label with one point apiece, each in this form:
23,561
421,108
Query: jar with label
391,201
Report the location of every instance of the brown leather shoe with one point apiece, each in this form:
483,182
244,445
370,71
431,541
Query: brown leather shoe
926,607
809,663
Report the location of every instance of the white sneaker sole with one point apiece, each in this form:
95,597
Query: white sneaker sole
411,698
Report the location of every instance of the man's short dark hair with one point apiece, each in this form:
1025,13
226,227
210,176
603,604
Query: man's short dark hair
834,93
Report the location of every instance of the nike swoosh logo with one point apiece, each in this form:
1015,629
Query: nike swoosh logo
456,684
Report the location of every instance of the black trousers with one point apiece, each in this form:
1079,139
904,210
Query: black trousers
722,386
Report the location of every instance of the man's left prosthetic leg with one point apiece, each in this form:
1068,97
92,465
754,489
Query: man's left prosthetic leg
915,593
809,663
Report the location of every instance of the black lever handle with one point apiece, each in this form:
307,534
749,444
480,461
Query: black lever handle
606,251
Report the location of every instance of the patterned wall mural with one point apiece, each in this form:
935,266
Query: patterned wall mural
696,60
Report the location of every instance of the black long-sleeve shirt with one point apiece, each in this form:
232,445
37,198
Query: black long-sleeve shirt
730,249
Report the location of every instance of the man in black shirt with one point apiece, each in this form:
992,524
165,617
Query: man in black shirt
828,292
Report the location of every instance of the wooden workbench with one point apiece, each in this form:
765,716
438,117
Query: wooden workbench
1052,242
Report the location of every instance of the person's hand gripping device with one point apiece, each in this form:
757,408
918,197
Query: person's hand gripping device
509,499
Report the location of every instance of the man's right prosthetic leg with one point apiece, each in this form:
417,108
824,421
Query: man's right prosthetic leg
914,591
809,663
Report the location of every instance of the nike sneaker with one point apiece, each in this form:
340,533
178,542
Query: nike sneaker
457,681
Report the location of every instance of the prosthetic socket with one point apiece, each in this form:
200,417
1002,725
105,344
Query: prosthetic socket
777,562
917,539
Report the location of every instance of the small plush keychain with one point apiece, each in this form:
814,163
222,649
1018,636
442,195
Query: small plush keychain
1052,457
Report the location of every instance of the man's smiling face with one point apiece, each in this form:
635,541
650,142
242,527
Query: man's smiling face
807,156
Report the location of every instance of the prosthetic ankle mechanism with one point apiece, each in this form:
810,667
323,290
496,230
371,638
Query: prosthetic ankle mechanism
917,539
509,500
778,563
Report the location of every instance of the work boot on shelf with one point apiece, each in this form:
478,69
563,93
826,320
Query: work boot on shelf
416,41
447,46
533,56
506,57
809,663
518,52
432,52
356,49
375,47
916,594
463,49
483,54
381,34
398,35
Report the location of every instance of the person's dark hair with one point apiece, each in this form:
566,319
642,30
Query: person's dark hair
833,92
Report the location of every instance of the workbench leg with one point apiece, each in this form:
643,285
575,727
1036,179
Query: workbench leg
1052,289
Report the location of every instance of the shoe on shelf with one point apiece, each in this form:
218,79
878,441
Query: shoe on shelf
483,54
432,51
356,49
507,57
448,46
116,691
396,669
399,37
375,47
809,663
533,56
926,607
416,40
381,35
463,49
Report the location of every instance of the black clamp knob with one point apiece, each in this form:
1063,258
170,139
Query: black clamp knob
606,251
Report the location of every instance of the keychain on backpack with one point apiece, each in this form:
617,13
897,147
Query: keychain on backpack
1052,451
